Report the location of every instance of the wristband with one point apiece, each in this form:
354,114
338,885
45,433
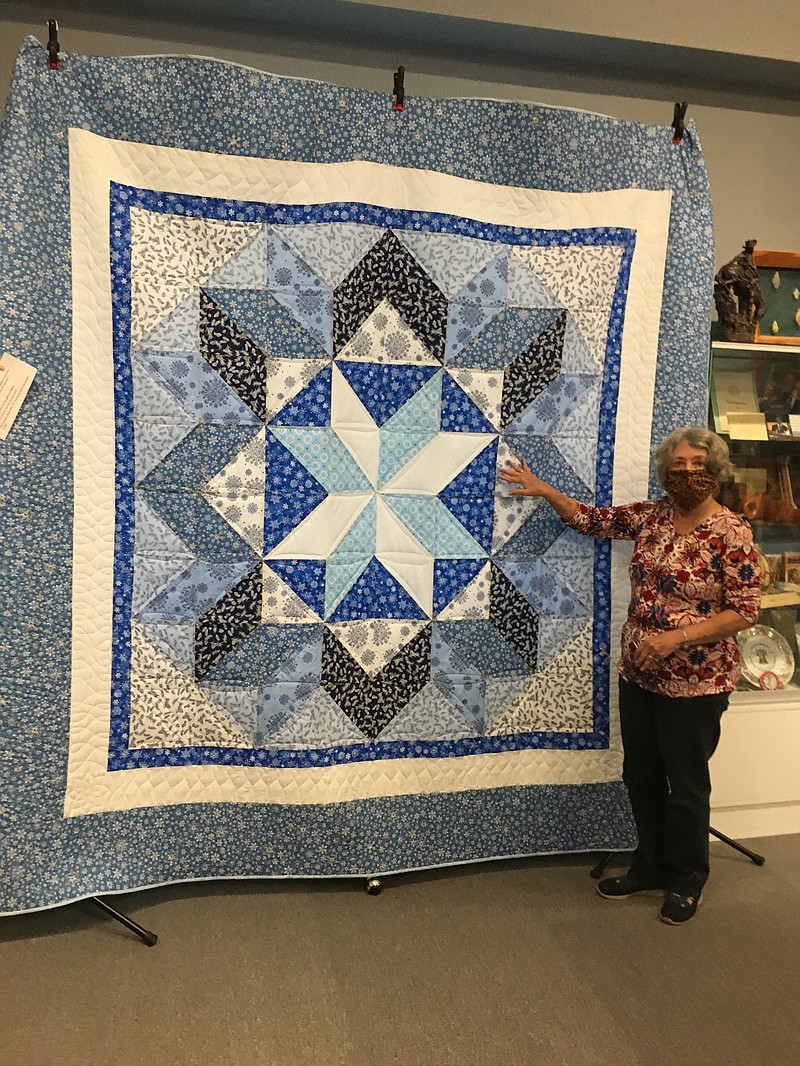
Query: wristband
686,642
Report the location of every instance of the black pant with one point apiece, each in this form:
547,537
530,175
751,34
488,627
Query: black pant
668,742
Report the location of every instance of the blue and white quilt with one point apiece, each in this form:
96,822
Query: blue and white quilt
270,612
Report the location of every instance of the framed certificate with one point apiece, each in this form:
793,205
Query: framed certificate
733,392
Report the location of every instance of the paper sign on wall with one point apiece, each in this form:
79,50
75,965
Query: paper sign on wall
16,377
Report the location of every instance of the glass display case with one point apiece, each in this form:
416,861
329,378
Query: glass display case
755,406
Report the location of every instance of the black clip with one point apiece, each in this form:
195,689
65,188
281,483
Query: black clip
678,124
52,44
399,92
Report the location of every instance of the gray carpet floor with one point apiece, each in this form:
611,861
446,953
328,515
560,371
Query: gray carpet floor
502,963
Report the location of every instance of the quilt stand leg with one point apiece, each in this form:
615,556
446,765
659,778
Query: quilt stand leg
374,886
759,860
597,871
144,934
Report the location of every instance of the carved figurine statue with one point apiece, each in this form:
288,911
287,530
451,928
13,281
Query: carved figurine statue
737,295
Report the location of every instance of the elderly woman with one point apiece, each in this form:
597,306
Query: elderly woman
695,583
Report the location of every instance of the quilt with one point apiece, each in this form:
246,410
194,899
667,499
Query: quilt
268,611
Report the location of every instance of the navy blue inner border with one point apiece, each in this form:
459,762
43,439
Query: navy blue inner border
122,199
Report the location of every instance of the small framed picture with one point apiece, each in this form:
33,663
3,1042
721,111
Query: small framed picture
791,568
779,277
778,426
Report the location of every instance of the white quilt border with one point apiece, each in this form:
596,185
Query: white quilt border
94,163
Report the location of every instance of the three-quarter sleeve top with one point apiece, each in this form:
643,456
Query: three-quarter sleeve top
679,579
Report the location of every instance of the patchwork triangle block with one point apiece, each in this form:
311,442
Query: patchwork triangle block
303,664
429,715
384,337
152,400
341,573
280,604
152,577
376,594
459,412
246,268
286,338
248,308
485,389
317,723
473,600
467,697
178,331
446,661
278,704
306,577
450,577
292,493
383,389
238,703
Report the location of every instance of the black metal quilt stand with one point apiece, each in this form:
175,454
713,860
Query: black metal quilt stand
144,934
759,860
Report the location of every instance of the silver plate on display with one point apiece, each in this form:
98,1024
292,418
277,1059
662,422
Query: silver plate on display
767,659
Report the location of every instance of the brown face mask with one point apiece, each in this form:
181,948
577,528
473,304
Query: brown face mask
688,488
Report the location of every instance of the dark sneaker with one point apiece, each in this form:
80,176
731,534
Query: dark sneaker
678,909
625,886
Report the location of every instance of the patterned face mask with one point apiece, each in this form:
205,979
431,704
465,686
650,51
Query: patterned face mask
688,488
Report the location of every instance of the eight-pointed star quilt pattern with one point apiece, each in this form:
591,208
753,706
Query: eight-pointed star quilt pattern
314,561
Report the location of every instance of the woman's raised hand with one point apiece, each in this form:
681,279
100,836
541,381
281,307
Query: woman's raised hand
520,474
528,484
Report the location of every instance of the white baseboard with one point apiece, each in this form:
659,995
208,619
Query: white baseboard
757,821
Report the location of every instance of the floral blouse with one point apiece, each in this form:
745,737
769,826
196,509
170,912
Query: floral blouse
678,580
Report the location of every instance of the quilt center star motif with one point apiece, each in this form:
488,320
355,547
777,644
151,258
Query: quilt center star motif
383,472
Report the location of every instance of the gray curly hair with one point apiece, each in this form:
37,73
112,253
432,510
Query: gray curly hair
718,462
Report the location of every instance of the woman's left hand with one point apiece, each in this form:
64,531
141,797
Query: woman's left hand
656,647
